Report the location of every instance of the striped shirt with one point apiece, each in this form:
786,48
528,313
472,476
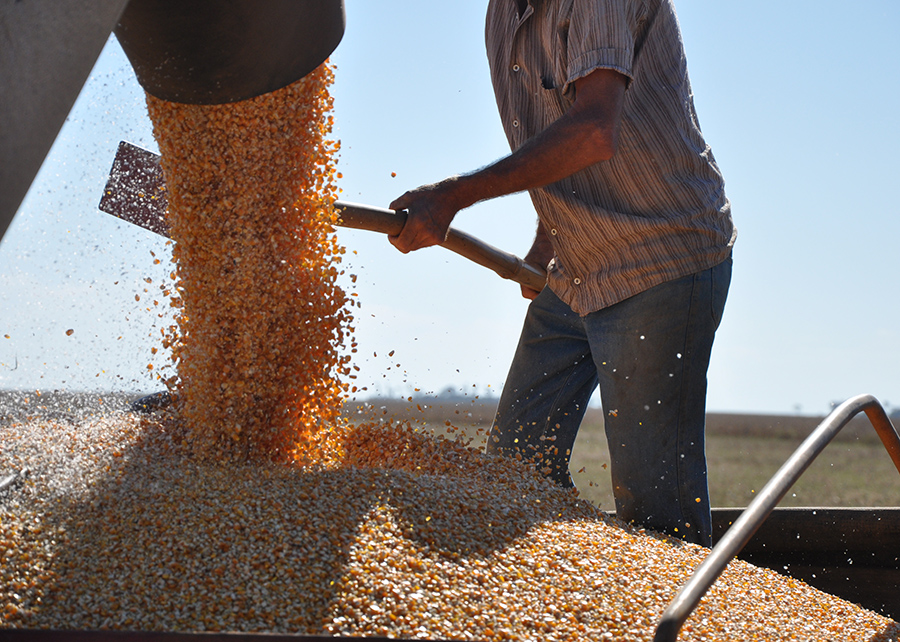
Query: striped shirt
657,210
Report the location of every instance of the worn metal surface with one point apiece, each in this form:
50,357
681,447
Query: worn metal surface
34,635
222,51
135,191
47,51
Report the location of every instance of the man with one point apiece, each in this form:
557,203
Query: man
636,232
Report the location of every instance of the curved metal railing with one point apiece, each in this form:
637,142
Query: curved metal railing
759,509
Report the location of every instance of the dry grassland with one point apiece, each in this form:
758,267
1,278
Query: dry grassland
743,452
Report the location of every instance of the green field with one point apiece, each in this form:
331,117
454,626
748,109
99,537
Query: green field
743,452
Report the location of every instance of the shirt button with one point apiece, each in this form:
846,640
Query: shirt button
554,232
515,67
576,281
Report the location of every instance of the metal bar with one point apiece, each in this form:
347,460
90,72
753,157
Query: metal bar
759,509
508,266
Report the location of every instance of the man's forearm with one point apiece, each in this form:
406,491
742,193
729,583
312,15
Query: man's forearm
585,135
560,151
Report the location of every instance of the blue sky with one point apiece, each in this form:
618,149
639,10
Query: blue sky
798,100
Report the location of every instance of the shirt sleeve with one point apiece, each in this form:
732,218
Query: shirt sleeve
600,36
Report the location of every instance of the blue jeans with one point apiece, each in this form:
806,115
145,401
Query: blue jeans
649,354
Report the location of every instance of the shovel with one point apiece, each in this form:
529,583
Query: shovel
136,193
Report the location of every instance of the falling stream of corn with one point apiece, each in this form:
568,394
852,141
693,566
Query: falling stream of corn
262,319
252,505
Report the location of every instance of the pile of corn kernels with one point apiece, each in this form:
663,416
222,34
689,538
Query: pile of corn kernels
407,536
262,322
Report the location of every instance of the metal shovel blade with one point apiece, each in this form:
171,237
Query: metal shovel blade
136,191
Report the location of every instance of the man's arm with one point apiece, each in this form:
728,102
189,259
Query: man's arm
586,134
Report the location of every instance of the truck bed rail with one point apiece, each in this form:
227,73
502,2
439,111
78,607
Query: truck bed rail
755,514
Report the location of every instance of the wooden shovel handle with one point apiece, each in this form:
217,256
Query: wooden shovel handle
136,193
509,266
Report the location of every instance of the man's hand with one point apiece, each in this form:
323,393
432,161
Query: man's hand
539,256
429,211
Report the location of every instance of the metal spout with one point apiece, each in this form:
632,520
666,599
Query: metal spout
222,51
